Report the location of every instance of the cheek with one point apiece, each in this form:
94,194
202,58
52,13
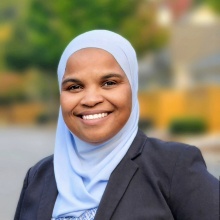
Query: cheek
128,98
63,102
124,101
67,102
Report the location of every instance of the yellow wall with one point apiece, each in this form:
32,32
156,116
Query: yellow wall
214,109
161,106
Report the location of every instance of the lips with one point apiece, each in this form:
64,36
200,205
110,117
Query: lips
94,116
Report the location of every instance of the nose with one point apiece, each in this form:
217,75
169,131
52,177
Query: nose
91,98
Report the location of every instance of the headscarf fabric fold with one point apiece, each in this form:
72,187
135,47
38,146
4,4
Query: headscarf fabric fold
82,170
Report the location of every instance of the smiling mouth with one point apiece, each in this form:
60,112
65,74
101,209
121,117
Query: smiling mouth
94,116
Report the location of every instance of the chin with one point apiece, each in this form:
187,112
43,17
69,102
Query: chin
95,139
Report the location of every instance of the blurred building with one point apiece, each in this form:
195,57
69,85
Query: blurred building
187,81
195,40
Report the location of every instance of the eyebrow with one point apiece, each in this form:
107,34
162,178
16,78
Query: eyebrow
110,75
70,80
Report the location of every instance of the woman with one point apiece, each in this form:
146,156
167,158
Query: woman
103,166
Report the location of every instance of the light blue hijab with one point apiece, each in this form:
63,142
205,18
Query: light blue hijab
82,170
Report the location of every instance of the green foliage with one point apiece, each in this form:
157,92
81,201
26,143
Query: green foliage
214,4
145,124
42,31
189,125
44,118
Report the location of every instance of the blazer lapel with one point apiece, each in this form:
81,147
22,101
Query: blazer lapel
120,179
115,189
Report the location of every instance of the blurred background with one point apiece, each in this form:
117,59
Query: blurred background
178,48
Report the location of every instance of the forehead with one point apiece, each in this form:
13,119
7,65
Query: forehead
93,54
92,58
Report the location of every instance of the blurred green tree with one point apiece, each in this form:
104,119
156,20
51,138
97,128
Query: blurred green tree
214,4
43,30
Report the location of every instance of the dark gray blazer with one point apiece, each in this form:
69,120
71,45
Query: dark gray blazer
155,180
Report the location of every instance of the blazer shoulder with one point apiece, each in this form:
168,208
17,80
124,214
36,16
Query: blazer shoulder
163,157
157,145
43,165
169,148
171,152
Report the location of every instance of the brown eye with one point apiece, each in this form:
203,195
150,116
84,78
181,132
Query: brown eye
74,88
109,83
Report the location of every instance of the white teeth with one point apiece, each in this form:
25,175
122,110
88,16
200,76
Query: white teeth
95,116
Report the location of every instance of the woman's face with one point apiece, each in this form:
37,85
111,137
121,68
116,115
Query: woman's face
96,97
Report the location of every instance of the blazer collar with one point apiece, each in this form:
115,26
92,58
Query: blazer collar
120,179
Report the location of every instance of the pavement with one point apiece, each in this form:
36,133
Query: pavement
22,147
